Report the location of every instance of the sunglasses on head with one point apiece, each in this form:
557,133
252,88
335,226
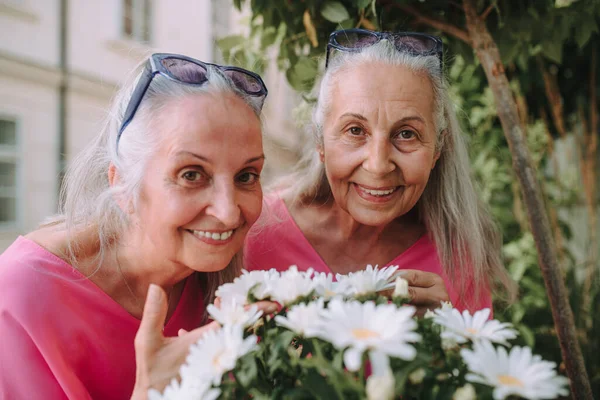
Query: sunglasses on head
354,40
188,71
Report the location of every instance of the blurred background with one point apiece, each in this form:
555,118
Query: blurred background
61,61
60,64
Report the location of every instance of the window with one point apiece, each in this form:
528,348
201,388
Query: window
136,20
8,172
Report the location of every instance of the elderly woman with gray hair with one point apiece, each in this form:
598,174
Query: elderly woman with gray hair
386,180
157,207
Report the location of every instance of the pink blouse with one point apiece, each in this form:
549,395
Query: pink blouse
62,337
277,242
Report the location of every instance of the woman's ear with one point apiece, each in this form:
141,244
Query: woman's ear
113,180
321,154
112,175
439,147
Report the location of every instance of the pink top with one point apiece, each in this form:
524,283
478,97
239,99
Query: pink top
62,337
277,242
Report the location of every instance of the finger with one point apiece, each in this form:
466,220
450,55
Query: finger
267,307
421,278
194,335
181,332
427,297
217,302
154,315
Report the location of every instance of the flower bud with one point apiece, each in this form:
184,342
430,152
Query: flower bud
401,289
416,377
466,392
381,387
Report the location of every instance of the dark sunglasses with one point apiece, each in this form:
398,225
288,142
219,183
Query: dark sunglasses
354,40
189,71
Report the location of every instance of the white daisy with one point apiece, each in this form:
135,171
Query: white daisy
234,313
462,327
188,390
238,290
516,373
365,326
291,285
216,353
325,286
370,280
304,319
401,288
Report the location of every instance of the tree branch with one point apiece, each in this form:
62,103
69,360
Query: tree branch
562,314
435,23
553,96
487,11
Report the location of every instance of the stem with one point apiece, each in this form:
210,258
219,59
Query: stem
489,56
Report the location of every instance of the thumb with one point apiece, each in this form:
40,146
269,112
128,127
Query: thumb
154,315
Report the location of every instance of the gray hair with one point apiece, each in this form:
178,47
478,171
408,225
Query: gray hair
467,240
87,199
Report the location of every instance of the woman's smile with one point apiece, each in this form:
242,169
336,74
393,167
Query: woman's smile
376,195
216,237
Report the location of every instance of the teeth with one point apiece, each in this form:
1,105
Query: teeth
213,235
378,192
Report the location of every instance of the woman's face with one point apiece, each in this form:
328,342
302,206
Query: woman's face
379,141
201,190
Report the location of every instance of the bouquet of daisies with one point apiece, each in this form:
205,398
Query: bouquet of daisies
341,339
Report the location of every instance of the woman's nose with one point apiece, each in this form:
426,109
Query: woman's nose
224,205
378,157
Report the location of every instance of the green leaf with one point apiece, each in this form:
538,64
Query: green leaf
552,49
319,385
229,42
302,75
363,3
584,29
334,11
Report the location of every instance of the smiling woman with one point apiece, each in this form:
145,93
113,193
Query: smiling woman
386,180
164,196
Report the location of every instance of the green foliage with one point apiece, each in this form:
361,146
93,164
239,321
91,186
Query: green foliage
559,35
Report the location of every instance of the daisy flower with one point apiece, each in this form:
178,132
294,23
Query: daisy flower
291,285
365,327
325,286
304,319
188,390
215,354
517,373
234,313
238,290
477,327
370,280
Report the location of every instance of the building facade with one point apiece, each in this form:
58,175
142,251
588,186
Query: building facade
60,64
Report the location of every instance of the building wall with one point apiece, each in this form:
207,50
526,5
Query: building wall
99,58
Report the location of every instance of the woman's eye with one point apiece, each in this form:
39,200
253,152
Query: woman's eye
192,176
355,131
248,178
406,135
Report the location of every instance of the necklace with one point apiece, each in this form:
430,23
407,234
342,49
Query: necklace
138,303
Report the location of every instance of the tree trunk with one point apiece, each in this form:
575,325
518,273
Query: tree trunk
489,56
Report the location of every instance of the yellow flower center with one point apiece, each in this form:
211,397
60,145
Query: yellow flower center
361,333
472,331
510,380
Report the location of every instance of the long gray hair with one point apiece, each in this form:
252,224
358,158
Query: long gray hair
87,199
467,240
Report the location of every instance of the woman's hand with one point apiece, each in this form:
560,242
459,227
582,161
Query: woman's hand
426,289
159,358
